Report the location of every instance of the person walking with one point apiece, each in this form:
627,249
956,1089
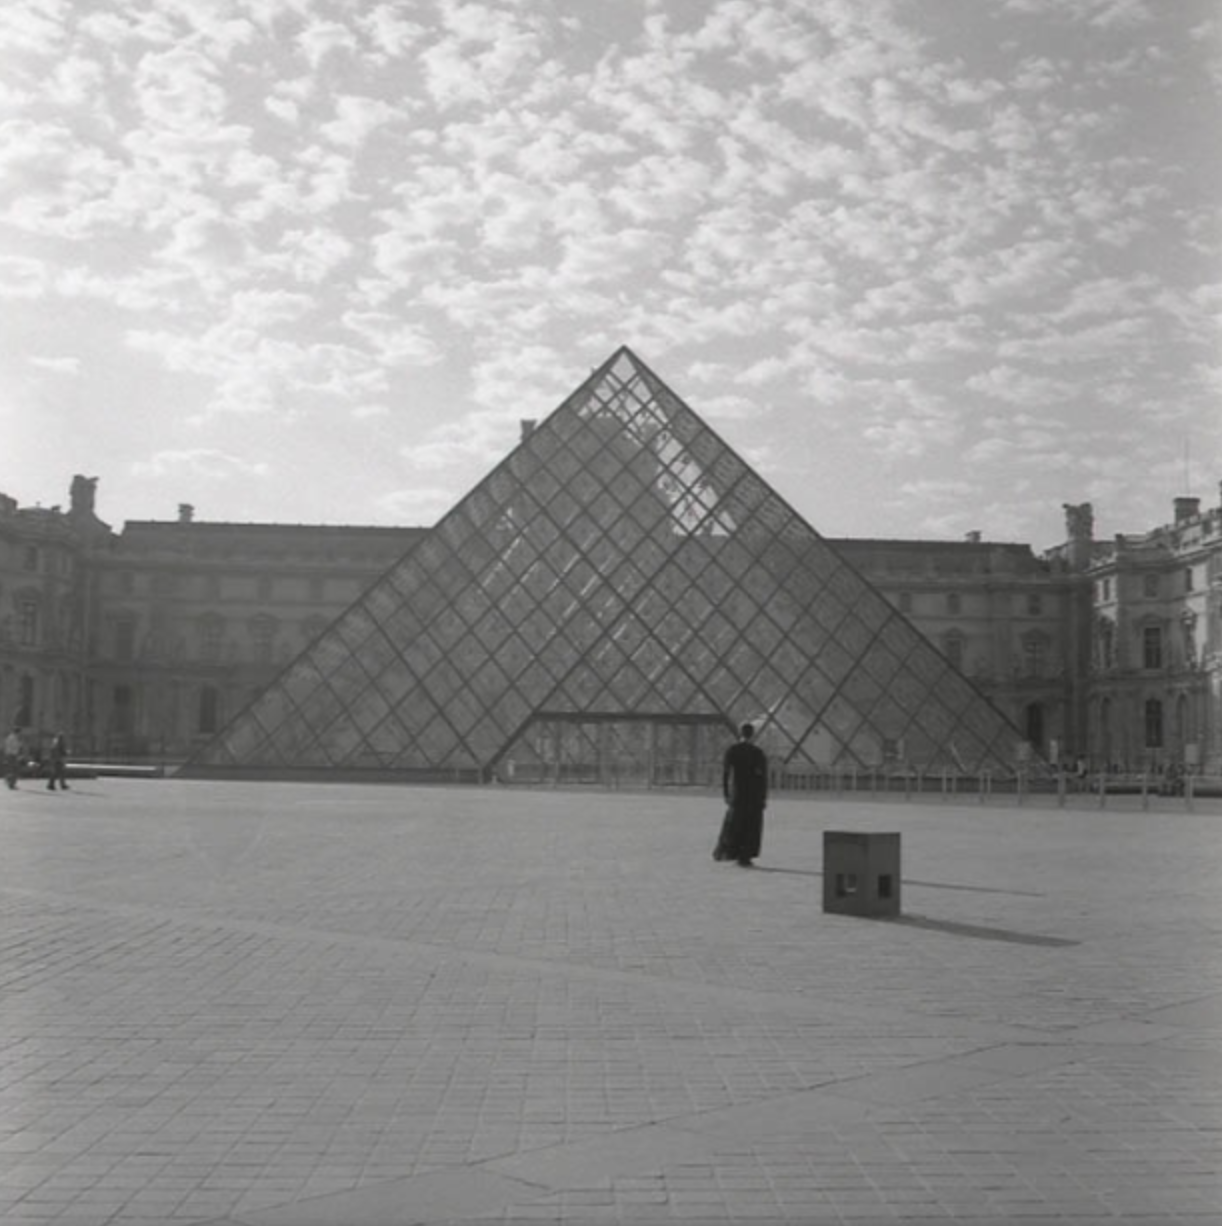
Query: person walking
744,784
57,769
12,756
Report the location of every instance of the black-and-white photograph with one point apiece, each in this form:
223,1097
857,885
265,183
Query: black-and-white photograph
610,612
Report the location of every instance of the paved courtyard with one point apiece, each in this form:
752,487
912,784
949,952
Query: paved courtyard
333,1005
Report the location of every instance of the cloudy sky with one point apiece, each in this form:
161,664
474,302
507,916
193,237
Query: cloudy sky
931,265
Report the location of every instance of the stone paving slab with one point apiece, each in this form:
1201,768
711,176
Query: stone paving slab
255,1005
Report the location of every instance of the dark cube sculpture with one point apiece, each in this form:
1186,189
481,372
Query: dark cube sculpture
861,873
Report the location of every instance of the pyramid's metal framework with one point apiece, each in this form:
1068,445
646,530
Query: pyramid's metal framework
616,594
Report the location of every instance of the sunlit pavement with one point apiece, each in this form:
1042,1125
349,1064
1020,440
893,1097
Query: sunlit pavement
283,1005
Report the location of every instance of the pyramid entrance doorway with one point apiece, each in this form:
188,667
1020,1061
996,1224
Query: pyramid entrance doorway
643,751
613,598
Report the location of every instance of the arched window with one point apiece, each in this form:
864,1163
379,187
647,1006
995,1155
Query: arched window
1154,724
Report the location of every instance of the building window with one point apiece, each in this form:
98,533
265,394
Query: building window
954,603
27,622
1189,583
30,562
164,583
125,638
263,634
318,587
1188,640
25,700
127,582
952,647
1035,604
265,587
1149,586
1152,647
211,632
123,710
1107,642
1035,655
905,602
209,709
1154,724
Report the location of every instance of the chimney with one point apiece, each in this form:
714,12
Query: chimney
974,536
1187,508
82,495
186,512
1080,532
528,427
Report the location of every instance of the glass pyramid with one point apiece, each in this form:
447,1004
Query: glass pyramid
608,603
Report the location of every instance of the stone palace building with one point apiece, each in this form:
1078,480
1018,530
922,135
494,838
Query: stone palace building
141,643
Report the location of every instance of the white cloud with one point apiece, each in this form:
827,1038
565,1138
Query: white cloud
199,462
310,255
23,277
321,39
394,341
1017,386
938,490
58,366
36,28
356,117
417,506
1121,338
391,35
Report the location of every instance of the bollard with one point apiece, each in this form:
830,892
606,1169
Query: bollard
1145,789
1102,790
1060,789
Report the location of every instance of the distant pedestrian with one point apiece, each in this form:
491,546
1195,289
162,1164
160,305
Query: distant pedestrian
744,784
57,770
12,756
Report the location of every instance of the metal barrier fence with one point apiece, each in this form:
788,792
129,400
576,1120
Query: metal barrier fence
1018,787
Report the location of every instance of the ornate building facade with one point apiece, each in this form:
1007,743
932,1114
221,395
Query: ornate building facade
141,643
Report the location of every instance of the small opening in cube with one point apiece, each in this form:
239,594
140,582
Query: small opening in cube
884,885
846,884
